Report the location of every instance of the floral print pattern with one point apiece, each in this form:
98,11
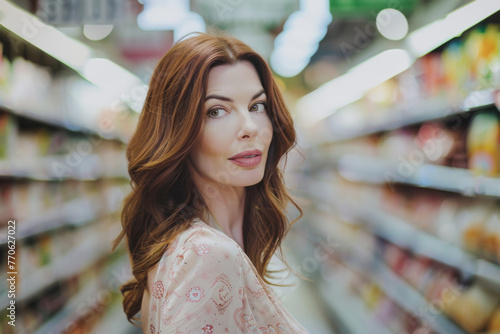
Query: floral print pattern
202,249
208,329
158,290
194,294
206,284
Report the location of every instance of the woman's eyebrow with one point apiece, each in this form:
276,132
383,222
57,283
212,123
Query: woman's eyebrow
223,98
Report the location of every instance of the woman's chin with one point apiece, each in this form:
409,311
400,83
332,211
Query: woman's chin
248,181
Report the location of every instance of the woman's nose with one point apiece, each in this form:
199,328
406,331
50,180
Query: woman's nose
248,127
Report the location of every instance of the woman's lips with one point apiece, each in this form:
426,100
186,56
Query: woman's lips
247,162
246,154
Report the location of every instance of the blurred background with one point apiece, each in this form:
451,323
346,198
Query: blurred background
397,169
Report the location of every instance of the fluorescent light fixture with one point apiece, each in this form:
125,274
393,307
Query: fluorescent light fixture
392,24
191,23
351,86
429,37
170,15
102,72
47,38
96,32
163,14
299,40
110,76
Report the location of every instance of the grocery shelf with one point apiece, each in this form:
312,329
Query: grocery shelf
349,312
68,314
80,257
87,171
422,111
410,299
115,321
72,309
397,289
74,212
405,235
361,168
56,123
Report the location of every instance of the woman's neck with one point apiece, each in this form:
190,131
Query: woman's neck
227,207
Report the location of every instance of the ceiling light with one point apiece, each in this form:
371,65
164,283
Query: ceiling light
299,40
96,32
429,37
102,72
47,38
392,24
170,15
352,86
109,76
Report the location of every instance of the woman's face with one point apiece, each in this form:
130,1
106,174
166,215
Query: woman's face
236,121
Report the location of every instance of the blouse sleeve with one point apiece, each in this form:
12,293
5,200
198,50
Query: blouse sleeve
206,286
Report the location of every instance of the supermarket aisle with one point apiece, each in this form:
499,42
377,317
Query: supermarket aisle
402,159
302,299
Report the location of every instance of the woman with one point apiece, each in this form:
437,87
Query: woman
207,207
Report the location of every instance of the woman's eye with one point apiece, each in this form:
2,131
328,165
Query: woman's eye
216,112
259,109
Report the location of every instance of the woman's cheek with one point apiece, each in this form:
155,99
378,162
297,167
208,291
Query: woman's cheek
266,131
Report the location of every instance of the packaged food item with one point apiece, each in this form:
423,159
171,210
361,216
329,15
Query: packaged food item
433,74
423,208
8,133
483,144
494,324
471,220
397,145
417,270
455,67
436,142
474,308
487,52
371,295
491,236
445,226
444,289
396,258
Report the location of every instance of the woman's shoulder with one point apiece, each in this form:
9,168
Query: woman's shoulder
201,250
203,239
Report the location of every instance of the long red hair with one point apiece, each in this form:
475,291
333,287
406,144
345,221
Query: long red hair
164,199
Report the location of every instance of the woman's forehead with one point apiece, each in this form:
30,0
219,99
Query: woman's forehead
237,75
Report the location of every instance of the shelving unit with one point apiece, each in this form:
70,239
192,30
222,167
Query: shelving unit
423,111
82,204
349,312
378,171
66,266
57,123
115,322
403,234
353,176
367,264
69,314
88,209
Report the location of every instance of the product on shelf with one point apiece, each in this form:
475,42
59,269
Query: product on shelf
474,308
470,221
494,324
491,235
7,135
436,141
445,221
483,144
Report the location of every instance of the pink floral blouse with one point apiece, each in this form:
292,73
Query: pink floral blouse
206,284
